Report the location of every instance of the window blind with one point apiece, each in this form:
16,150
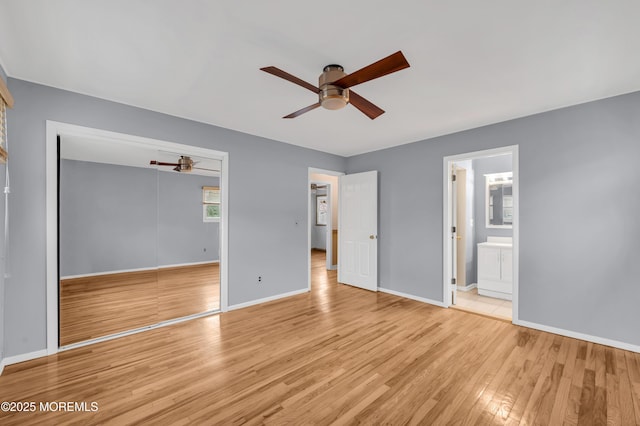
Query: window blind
6,100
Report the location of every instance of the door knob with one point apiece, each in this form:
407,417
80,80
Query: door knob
372,237
458,237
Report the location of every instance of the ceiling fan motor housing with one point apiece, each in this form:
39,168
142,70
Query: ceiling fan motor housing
331,96
185,163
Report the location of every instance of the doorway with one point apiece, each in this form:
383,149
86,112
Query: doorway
173,273
323,225
480,241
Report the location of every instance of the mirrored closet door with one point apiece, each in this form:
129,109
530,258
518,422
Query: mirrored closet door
136,245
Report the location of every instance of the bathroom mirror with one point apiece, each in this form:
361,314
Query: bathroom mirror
499,200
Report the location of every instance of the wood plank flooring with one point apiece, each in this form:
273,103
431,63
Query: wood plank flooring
337,355
96,306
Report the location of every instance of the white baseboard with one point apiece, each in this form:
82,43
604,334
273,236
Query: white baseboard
179,265
267,299
412,297
581,336
467,287
126,271
1,366
24,357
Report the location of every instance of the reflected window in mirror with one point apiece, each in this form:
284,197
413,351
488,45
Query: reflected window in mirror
499,200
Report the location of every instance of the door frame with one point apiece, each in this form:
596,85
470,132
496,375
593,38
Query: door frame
447,217
310,218
55,129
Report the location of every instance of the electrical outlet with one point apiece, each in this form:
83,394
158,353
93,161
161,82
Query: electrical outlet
259,279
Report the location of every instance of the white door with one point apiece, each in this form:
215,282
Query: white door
358,230
454,240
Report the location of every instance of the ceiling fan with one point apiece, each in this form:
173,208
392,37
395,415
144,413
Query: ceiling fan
184,164
334,85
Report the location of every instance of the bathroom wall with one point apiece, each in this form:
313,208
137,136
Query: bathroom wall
481,167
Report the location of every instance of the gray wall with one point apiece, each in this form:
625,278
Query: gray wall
481,167
182,235
268,242
576,269
3,76
116,218
108,218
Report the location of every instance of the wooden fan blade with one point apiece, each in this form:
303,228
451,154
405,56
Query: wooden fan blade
160,163
302,111
388,65
367,108
293,79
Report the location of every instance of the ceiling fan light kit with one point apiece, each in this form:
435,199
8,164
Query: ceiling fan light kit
331,96
184,164
334,85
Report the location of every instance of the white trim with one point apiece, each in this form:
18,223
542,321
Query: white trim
51,202
137,330
178,265
24,357
1,366
267,299
125,271
446,217
412,297
469,287
581,336
515,234
53,129
224,237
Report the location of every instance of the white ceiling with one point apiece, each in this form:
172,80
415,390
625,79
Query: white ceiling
472,62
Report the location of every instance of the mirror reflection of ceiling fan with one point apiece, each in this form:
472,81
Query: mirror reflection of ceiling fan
185,164
334,85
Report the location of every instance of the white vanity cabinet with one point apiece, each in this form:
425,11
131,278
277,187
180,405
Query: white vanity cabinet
495,268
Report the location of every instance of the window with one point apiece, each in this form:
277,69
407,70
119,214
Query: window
321,210
211,204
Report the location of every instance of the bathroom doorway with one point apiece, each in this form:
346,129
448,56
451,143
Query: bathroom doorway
480,232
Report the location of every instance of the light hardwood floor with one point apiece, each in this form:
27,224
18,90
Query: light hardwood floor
96,306
336,355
